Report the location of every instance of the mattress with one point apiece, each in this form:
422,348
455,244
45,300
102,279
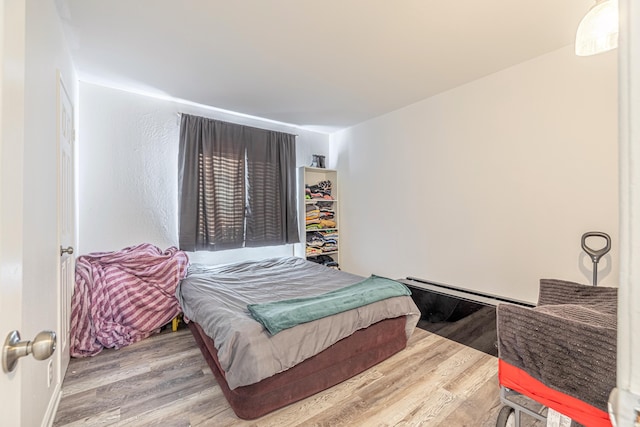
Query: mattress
216,298
341,361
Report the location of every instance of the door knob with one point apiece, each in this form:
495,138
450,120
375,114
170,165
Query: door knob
68,250
42,347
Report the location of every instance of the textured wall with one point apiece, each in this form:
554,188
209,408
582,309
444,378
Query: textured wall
128,158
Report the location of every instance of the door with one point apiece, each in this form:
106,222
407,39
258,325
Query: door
66,223
12,28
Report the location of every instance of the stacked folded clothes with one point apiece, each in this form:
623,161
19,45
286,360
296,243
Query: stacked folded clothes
319,242
320,215
320,222
321,190
325,260
313,214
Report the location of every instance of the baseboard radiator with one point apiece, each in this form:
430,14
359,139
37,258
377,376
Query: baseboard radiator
461,293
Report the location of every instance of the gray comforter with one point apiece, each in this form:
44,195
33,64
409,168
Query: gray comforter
216,297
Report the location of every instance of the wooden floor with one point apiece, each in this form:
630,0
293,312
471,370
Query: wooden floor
165,381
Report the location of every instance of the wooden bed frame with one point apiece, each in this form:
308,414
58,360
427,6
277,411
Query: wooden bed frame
344,359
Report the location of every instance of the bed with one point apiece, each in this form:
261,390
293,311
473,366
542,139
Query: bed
561,353
259,372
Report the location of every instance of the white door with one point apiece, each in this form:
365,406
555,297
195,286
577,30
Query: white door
12,26
66,224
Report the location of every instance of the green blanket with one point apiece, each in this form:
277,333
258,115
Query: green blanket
279,315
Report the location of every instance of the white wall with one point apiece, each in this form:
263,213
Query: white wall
128,170
488,186
46,52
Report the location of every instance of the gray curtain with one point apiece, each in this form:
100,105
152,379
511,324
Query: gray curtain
271,214
236,186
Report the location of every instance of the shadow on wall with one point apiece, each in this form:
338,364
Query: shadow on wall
585,265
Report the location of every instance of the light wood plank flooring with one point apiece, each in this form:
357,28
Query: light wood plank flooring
165,381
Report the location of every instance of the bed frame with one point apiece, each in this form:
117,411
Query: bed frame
344,359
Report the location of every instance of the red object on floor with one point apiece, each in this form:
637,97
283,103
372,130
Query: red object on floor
579,411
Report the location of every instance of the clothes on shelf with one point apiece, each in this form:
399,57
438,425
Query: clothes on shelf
325,260
319,242
320,215
321,222
311,251
313,213
321,190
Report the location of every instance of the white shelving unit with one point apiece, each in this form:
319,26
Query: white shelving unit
319,230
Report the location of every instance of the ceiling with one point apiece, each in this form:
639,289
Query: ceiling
319,64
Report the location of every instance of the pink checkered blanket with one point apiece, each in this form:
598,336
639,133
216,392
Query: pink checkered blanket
124,296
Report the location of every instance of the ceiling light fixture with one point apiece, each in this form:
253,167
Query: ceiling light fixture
598,30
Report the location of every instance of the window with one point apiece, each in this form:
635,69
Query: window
236,186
